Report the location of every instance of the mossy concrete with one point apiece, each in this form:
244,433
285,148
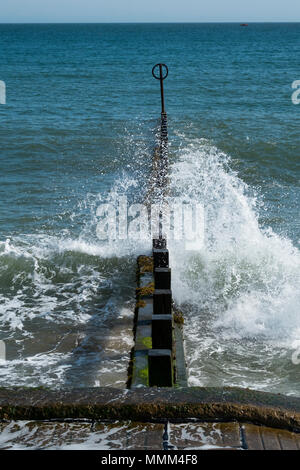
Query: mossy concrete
207,404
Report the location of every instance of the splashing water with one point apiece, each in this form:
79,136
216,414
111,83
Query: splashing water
66,306
241,291
67,298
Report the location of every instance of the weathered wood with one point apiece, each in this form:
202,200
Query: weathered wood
129,435
162,278
180,364
159,243
140,371
143,335
162,332
270,439
161,258
288,440
253,437
205,435
162,302
160,368
145,311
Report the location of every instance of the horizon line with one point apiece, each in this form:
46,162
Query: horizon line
153,22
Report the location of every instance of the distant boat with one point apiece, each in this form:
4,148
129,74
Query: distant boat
244,24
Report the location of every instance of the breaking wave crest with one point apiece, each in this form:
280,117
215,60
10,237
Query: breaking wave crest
241,291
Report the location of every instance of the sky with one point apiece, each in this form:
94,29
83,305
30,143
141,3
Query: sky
106,11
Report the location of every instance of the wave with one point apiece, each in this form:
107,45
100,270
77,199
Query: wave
242,286
239,293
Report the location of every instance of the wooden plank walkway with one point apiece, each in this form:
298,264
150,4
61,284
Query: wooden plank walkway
237,436
126,435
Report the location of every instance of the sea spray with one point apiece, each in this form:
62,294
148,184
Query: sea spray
241,290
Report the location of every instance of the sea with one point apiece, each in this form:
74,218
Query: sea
78,129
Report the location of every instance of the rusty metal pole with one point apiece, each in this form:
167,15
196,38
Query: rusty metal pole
162,89
163,141
161,78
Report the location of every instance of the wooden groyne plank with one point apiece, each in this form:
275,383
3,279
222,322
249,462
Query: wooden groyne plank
130,435
157,327
181,374
157,336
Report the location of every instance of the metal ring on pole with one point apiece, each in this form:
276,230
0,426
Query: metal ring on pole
160,78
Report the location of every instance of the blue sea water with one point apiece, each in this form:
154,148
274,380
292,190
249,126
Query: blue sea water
79,122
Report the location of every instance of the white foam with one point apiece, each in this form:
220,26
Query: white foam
245,281
243,285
